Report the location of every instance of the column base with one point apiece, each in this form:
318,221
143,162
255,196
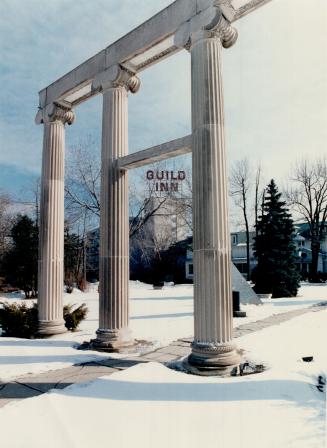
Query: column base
51,327
112,340
209,359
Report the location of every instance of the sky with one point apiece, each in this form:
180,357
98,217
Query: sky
275,82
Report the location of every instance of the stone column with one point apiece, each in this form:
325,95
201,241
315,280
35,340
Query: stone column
113,333
51,239
213,351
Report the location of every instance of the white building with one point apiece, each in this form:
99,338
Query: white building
238,243
169,223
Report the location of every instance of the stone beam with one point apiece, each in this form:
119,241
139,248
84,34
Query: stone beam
154,154
236,9
147,44
77,83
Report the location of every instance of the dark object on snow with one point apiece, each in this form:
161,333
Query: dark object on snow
236,305
321,383
307,358
69,289
248,368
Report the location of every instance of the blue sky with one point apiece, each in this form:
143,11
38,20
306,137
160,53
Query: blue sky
275,81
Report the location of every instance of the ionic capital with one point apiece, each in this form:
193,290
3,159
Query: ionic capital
55,112
222,28
116,76
208,24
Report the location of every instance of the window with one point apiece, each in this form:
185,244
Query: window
190,269
234,239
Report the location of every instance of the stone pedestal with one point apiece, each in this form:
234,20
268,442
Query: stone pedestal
213,351
113,333
51,239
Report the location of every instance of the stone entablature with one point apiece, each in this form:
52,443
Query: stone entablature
149,43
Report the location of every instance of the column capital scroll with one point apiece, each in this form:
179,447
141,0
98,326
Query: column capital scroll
223,29
210,24
55,112
116,76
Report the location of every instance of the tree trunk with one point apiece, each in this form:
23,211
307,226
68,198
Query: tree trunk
315,247
248,269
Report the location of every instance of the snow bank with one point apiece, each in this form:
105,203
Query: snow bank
150,405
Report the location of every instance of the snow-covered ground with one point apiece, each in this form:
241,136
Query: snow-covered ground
159,316
150,405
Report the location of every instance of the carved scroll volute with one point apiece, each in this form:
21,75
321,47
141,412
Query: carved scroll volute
55,112
116,76
210,23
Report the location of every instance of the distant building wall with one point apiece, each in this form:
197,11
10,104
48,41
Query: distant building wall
168,224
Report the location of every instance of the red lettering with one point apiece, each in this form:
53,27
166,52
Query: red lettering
181,175
150,175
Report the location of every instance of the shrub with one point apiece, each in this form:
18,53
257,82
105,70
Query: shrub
74,317
322,276
21,321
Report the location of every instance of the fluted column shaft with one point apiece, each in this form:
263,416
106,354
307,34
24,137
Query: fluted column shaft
114,224
212,346
51,239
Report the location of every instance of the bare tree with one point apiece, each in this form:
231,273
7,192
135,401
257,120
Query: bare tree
147,201
240,185
309,200
82,190
149,232
36,190
31,205
143,205
82,186
184,207
6,222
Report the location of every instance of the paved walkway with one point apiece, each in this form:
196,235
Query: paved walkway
33,385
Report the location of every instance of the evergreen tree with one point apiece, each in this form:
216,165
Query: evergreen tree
20,264
274,248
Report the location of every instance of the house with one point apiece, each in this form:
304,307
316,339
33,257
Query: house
303,246
238,246
238,251
301,241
